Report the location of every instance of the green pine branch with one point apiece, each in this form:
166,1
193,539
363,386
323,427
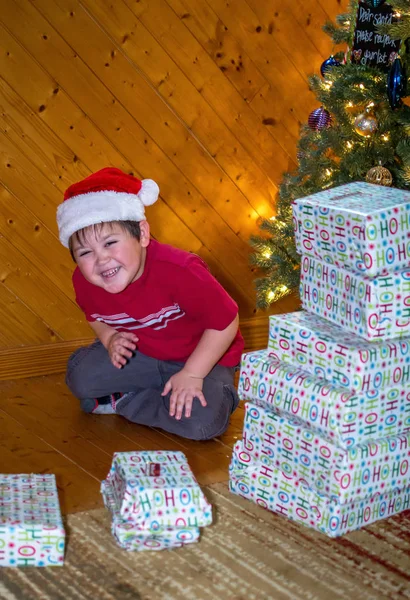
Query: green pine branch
337,154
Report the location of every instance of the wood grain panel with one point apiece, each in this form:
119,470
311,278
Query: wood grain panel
19,322
39,359
204,96
197,212
233,61
21,277
196,65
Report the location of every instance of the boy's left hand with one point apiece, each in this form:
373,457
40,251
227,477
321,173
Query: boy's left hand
185,387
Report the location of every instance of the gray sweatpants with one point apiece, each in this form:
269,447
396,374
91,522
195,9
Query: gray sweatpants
90,374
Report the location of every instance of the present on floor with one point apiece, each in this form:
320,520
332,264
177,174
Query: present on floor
155,500
358,226
31,528
328,351
344,475
375,308
291,497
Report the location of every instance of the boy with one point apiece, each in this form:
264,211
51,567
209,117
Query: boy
168,337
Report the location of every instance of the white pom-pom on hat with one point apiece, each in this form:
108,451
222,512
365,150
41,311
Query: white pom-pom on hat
107,195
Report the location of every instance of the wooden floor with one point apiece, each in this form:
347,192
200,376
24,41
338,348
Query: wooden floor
42,430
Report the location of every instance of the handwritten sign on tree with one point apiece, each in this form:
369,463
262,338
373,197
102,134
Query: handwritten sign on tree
370,47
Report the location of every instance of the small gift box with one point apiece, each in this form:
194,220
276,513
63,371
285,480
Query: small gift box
328,351
345,417
291,497
374,308
340,474
359,226
31,528
155,500
132,536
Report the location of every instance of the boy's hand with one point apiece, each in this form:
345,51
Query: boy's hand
120,347
185,387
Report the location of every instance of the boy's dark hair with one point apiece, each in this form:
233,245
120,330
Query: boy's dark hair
132,227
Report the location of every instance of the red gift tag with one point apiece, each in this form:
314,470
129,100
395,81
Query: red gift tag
154,469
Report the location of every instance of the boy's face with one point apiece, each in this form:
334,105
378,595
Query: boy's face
110,257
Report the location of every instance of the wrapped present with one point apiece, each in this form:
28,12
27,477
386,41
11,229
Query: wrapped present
328,351
359,226
133,537
344,475
272,489
374,308
155,500
345,417
31,528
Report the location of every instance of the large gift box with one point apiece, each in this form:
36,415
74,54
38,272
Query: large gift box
340,474
155,500
328,351
345,417
374,308
358,226
31,528
271,488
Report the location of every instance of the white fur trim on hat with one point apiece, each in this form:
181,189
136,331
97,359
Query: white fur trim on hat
104,206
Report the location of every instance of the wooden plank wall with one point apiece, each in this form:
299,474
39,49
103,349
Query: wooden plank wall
204,96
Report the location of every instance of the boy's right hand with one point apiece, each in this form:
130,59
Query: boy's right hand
120,347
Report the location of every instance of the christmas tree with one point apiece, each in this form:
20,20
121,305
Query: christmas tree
359,132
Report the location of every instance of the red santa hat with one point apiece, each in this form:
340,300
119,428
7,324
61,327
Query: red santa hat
107,195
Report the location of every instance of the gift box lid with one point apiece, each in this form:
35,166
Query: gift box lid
358,197
29,500
156,488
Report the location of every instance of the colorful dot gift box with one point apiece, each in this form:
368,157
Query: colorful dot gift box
155,500
328,351
343,475
291,497
31,528
375,308
344,417
361,227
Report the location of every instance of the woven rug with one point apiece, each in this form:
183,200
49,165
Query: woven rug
248,554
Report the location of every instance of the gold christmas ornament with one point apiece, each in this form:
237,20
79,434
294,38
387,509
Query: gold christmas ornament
380,176
365,124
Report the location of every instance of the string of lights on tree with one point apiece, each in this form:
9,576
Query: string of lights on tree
359,132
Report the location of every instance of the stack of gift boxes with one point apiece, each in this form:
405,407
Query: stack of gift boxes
154,500
326,438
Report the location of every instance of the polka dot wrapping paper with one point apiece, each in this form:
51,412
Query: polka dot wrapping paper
31,528
342,416
272,489
375,308
362,227
342,475
155,500
328,351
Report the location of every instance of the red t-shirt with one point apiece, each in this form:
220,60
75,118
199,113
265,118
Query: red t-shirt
168,307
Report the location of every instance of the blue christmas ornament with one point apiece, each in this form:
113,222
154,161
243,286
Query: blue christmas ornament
328,65
375,3
319,119
396,83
